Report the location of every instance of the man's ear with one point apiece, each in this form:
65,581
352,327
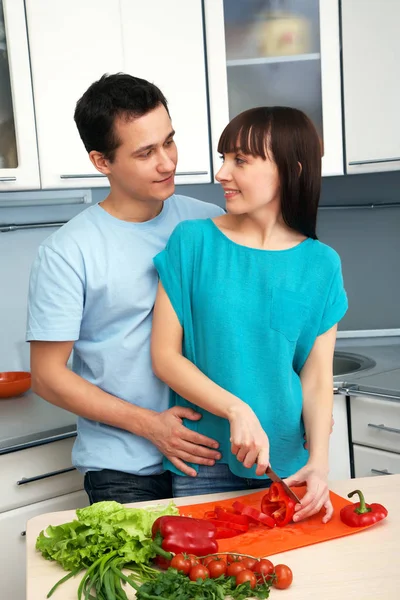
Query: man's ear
99,162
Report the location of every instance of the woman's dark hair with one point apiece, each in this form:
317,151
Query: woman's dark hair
113,96
288,137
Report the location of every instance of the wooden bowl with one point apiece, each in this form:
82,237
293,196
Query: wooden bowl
14,383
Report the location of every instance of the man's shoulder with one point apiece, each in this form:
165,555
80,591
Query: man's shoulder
75,232
187,207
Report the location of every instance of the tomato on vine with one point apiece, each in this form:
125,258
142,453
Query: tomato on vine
284,577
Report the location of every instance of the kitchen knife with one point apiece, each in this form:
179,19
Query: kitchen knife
274,477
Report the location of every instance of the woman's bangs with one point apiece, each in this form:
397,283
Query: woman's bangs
248,138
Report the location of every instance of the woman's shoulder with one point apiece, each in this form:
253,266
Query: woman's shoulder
190,229
326,255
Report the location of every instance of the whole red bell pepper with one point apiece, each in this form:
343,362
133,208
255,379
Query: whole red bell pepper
185,534
361,514
278,505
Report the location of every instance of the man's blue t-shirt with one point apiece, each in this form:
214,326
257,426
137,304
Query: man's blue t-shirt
250,319
94,282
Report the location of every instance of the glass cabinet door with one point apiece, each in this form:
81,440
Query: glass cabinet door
277,53
19,166
8,142
273,55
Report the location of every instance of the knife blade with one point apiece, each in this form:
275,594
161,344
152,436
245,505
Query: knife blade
274,477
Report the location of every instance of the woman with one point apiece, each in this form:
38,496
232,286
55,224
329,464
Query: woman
246,314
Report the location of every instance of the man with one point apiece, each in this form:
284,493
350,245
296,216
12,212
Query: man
92,289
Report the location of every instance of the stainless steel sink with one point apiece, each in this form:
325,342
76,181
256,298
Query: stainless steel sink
345,363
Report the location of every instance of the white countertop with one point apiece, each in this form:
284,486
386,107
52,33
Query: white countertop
28,416
363,566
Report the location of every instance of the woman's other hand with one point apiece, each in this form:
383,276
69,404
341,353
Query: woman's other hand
317,495
249,442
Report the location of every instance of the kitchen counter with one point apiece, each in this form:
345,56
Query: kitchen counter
29,421
363,566
384,377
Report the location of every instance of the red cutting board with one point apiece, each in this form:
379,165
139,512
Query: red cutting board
261,541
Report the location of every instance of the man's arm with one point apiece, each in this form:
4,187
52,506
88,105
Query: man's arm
54,382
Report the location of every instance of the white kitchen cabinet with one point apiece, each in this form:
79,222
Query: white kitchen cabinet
369,462
72,46
19,168
375,422
164,43
371,84
12,540
339,447
34,474
258,56
375,433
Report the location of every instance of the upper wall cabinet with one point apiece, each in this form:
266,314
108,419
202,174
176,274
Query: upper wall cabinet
276,52
19,168
163,42
371,58
72,46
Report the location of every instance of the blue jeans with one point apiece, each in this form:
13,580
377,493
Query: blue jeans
214,480
125,488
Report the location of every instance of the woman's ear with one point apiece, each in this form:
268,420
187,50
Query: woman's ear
300,168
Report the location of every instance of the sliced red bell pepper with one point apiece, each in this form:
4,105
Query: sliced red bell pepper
238,506
225,532
235,526
253,514
210,514
258,516
225,515
278,505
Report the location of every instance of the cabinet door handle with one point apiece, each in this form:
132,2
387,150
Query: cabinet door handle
384,428
82,176
5,179
373,162
100,175
381,472
192,173
25,480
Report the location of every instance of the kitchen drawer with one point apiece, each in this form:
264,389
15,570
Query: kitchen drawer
375,423
38,473
369,462
13,541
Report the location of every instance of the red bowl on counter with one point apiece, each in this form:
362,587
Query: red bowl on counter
14,383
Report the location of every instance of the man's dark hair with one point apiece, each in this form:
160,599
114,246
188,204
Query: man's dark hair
113,96
288,137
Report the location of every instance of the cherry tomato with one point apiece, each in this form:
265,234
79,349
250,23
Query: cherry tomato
235,568
194,560
263,569
249,562
234,558
246,575
208,559
217,568
199,572
284,577
180,563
